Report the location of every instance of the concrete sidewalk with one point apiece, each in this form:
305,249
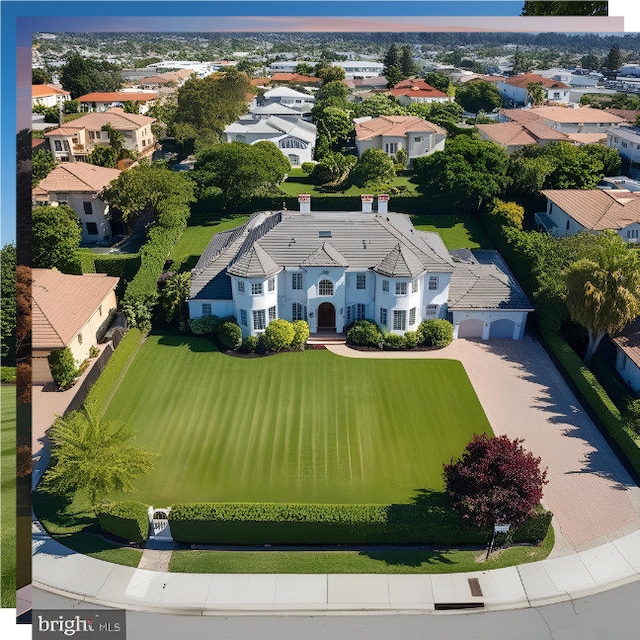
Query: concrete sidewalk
59,570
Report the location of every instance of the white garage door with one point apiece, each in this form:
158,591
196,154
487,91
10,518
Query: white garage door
502,328
470,328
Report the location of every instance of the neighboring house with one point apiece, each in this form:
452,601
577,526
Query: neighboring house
515,88
288,97
626,140
567,120
411,91
282,111
332,268
417,136
374,83
80,185
630,116
512,135
164,82
294,78
628,357
352,68
48,96
296,140
570,211
105,101
74,141
68,311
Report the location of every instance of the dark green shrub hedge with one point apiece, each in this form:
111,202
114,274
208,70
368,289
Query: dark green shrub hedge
8,374
394,342
63,367
249,344
204,325
119,265
436,332
127,520
230,334
278,335
271,523
364,333
411,339
534,528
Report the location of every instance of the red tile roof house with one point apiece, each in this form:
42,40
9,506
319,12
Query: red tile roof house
80,185
515,88
568,120
417,136
48,96
409,91
571,211
628,358
68,311
105,101
74,141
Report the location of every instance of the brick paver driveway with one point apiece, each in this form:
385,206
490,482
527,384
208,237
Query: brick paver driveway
592,496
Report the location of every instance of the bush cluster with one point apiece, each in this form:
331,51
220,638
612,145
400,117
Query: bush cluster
63,367
205,325
230,334
275,523
249,344
394,342
278,335
127,520
436,332
300,334
364,333
8,374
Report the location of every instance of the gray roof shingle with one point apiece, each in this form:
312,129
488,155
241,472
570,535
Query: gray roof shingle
325,256
400,262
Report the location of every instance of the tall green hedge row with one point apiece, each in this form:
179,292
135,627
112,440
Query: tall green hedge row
272,523
127,520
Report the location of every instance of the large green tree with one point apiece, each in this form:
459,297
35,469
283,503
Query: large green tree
81,75
374,167
378,105
479,95
8,301
55,235
614,58
42,163
439,81
603,290
536,93
153,189
92,455
466,175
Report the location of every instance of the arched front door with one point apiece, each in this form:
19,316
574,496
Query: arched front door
326,316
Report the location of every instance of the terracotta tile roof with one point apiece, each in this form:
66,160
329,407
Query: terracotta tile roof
116,117
597,209
629,341
569,115
259,82
588,138
394,126
525,79
533,124
507,133
42,90
629,115
417,88
295,77
78,177
119,96
62,304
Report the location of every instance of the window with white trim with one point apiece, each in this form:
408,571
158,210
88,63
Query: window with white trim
632,234
412,316
272,313
401,288
243,317
431,310
57,144
400,320
383,316
241,286
414,286
434,282
359,311
256,288
296,281
259,320
298,311
391,148
385,285
325,288
361,281
206,308
271,284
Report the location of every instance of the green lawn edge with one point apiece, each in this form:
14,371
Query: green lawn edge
8,497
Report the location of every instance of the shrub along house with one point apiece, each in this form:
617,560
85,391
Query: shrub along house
332,268
68,311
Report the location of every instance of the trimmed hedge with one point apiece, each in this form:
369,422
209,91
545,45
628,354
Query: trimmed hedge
300,334
278,335
394,342
8,374
127,520
364,333
436,332
594,396
230,334
273,523
120,265
63,367
118,362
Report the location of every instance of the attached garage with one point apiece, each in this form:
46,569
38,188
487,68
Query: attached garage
471,328
502,328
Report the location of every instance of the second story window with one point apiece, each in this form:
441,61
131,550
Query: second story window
296,281
401,288
271,284
433,283
87,208
240,286
325,288
361,281
256,288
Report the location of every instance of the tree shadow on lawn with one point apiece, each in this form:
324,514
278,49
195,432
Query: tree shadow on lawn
410,558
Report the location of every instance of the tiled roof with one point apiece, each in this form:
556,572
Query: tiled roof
587,138
629,341
119,96
400,262
62,304
294,77
273,126
525,79
629,115
394,126
507,133
42,90
286,92
564,115
597,209
116,117
254,263
417,88
326,255
485,283
77,176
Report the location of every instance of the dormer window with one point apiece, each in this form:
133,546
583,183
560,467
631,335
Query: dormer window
324,234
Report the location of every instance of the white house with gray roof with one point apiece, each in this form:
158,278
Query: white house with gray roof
331,268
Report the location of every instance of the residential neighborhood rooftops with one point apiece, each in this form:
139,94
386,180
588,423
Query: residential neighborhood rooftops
116,117
63,303
394,126
597,209
507,133
629,115
629,341
273,125
297,78
565,115
525,79
42,90
76,177
119,96
287,92
416,88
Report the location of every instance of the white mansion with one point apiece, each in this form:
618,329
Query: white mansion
331,268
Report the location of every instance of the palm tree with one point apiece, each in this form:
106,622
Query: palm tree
536,93
90,454
603,292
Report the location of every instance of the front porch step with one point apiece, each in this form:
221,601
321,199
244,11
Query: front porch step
330,337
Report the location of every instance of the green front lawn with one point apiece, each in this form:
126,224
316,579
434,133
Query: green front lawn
295,427
457,232
194,241
8,496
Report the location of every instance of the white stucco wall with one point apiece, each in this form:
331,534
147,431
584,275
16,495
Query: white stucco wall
99,209
630,233
628,370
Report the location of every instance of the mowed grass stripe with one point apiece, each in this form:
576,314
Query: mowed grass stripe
295,427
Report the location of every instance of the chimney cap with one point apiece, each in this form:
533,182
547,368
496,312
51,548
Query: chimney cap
383,197
366,197
304,197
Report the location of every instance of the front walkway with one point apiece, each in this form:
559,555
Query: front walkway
593,498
